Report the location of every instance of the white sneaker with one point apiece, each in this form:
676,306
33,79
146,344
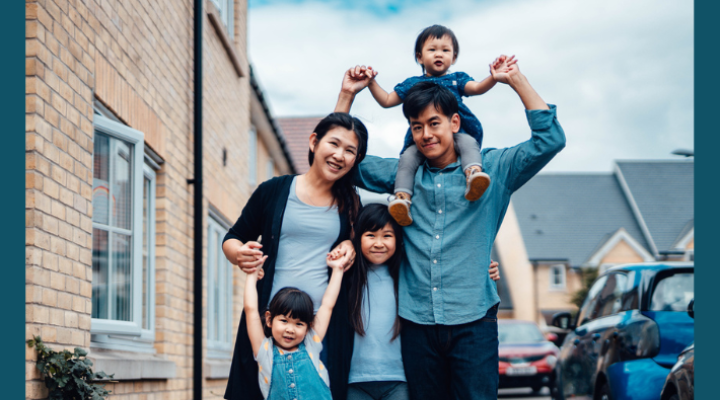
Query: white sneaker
400,210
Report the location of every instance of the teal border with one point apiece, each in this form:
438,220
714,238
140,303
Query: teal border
12,164
707,141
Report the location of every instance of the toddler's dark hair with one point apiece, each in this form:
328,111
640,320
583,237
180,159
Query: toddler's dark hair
425,93
292,302
435,32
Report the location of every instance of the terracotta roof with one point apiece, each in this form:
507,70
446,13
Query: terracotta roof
297,131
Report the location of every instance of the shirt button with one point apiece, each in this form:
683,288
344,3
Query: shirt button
434,261
290,370
437,236
439,211
434,289
292,385
290,357
438,185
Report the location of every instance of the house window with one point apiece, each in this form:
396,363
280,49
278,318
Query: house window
227,9
252,157
270,169
557,277
123,238
220,292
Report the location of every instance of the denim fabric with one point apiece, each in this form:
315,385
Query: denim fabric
455,82
381,390
443,277
467,148
452,361
294,377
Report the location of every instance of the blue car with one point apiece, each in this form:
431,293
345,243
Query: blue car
627,335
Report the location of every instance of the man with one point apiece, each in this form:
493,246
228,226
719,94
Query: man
446,298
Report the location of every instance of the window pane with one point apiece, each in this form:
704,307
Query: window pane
101,178
217,312
673,293
122,277
100,274
122,186
145,249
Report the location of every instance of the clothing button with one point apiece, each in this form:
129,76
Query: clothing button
292,385
434,289
438,185
434,261
290,357
437,236
290,370
439,211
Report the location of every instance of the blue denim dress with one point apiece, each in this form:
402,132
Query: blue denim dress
294,377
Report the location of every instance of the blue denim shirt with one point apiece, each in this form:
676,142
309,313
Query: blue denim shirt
455,82
444,277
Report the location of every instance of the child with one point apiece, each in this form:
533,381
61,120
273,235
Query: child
287,348
376,369
436,49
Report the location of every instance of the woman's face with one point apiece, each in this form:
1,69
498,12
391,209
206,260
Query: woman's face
378,246
335,153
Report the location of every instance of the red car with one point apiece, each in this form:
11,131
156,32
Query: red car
527,357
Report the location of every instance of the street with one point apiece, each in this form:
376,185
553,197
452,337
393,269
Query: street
523,393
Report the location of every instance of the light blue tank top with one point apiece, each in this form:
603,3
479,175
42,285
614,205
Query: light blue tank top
306,236
376,357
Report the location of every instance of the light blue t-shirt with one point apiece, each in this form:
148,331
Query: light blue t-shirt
376,357
306,230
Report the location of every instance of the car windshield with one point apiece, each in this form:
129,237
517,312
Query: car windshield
519,333
673,293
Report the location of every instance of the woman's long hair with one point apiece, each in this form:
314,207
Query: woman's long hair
343,191
372,218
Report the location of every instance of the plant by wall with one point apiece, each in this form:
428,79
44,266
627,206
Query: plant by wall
68,375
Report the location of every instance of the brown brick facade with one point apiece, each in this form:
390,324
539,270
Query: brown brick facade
134,58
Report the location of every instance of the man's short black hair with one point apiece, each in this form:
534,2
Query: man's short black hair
425,93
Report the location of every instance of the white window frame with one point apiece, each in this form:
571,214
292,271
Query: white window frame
131,335
217,263
554,287
227,15
252,157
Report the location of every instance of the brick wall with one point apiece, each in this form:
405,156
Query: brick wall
135,57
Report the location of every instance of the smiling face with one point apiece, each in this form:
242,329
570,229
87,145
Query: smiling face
433,132
437,55
288,332
378,246
334,153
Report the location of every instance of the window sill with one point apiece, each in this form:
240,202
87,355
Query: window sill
217,369
214,16
129,366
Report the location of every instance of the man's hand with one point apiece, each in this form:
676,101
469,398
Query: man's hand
357,79
249,257
344,253
504,68
494,270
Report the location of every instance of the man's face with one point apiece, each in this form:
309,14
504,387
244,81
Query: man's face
433,132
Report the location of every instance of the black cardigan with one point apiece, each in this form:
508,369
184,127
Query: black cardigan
262,216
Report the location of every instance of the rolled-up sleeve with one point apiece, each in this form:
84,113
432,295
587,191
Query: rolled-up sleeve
523,161
376,174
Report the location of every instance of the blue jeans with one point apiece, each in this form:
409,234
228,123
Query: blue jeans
452,361
387,390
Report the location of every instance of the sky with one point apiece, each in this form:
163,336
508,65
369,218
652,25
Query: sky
620,72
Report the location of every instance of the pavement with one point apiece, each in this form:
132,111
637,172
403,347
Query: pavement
523,393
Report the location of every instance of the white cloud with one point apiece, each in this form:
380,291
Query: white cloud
620,72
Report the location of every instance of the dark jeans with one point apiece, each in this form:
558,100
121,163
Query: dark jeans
452,361
385,390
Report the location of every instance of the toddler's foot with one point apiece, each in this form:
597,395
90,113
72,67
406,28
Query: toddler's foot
477,183
399,208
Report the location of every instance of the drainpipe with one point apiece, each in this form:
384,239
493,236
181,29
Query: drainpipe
197,183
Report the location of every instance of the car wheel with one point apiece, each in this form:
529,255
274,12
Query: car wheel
556,387
603,393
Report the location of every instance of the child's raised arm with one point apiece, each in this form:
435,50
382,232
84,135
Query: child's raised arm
385,99
322,317
474,88
255,329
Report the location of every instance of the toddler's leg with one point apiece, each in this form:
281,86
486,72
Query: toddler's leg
471,159
404,181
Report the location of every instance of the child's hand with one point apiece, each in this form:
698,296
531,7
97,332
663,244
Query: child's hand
494,270
335,262
504,68
259,272
357,79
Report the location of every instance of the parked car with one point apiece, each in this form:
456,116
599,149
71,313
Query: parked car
628,333
680,382
527,357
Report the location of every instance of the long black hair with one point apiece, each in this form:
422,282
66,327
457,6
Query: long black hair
372,218
291,302
343,191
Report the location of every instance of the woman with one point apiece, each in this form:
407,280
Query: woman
301,218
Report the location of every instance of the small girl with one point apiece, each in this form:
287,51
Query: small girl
287,344
376,369
436,49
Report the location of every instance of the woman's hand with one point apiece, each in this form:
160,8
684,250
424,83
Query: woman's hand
344,253
357,79
249,257
494,270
